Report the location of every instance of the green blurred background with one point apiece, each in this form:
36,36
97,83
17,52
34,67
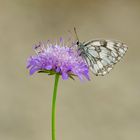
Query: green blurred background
107,108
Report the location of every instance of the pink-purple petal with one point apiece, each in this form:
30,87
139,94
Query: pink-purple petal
33,70
65,76
61,59
48,67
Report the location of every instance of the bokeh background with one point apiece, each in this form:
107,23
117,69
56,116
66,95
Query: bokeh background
105,108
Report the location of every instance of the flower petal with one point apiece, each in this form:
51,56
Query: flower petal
65,76
33,70
49,67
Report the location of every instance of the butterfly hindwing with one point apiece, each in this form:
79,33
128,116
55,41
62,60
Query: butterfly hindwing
102,55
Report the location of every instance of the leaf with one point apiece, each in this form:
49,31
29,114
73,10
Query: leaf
51,73
71,77
43,71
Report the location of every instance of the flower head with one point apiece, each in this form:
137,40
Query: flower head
58,58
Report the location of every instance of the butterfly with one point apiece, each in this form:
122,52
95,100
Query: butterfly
101,55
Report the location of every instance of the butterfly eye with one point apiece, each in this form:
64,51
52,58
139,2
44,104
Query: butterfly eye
77,42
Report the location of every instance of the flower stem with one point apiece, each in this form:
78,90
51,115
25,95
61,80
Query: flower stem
54,105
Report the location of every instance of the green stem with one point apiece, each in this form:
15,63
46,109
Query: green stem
54,105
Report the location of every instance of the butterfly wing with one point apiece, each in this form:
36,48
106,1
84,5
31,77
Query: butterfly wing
102,55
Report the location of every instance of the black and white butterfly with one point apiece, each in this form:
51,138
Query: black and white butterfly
101,55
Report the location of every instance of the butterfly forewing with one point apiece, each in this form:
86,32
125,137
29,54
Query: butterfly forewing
102,55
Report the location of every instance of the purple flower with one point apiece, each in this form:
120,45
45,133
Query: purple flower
58,58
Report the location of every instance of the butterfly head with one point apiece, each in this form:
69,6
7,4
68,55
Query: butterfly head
80,44
77,43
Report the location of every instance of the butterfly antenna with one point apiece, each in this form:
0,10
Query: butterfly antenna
76,34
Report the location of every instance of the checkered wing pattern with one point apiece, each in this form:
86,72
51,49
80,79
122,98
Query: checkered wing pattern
102,55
